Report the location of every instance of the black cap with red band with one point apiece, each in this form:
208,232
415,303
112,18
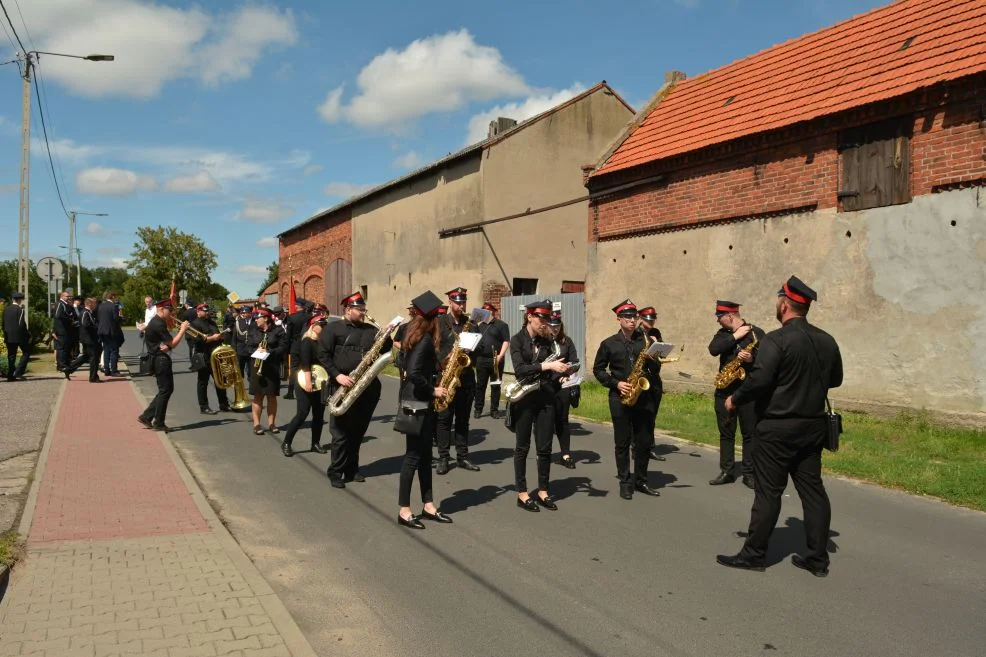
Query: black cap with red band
163,303
649,313
726,307
354,300
458,295
796,290
541,309
625,308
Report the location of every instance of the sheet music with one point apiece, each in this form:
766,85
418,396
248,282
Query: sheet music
262,355
480,316
660,349
573,380
469,341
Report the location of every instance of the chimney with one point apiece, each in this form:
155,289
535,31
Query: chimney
672,77
499,126
587,170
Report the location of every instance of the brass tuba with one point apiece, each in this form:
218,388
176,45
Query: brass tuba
226,373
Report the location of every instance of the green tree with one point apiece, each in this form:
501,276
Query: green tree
272,276
105,278
37,287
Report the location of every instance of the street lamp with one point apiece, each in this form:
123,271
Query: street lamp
24,225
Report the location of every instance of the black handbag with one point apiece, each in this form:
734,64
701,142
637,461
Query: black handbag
146,361
833,420
410,418
198,362
575,395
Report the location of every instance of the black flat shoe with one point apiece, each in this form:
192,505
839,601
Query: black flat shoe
68,375
163,427
411,523
723,478
568,463
319,448
286,449
626,491
358,478
208,411
477,413
802,563
496,415
547,502
737,561
437,517
646,490
225,409
529,505
288,396
466,464
442,468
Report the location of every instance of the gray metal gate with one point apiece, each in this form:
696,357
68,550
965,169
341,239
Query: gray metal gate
572,312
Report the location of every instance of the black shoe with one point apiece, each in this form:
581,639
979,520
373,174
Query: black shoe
568,462
225,409
358,478
290,395
657,457
477,413
207,411
626,491
737,561
748,482
95,380
286,449
547,502
723,478
162,427
496,414
802,563
646,490
336,483
529,505
437,517
147,423
321,449
411,523
442,467
68,374
466,464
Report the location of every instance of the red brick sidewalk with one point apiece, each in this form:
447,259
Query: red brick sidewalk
106,475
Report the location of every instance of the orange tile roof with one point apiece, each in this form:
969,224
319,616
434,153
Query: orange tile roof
858,61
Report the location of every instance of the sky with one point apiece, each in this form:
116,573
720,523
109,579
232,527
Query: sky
235,121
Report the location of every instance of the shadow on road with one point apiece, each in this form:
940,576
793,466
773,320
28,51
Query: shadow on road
564,488
790,539
491,456
463,499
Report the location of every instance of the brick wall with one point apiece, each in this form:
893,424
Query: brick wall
798,171
493,291
305,252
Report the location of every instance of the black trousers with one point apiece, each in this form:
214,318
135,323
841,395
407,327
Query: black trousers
202,388
165,377
91,354
348,430
62,354
293,374
747,417
633,426
457,417
789,448
484,374
15,368
417,459
657,394
308,402
243,362
563,404
536,413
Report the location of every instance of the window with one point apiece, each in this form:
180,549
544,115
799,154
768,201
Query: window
876,165
568,287
524,286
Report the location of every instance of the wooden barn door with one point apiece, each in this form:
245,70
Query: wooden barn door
338,284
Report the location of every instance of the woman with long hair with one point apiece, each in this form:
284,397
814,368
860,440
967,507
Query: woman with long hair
309,399
421,343
265,375
563,399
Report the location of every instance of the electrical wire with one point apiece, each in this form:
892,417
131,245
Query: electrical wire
13,45
12,28
51,162
44,94
30,39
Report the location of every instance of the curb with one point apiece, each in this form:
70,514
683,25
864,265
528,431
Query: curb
27,517
295,641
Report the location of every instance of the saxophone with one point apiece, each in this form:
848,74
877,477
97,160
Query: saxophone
733,371
365,372
638,382
518,389
458,360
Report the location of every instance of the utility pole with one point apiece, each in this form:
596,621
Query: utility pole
71,249
23,250
73,237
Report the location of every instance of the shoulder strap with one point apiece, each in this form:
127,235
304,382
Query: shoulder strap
818,366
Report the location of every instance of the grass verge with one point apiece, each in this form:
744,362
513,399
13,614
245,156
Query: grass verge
909,452
11,549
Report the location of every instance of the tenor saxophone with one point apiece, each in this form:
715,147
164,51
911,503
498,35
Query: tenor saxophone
637,380
458,360
733,371
366,371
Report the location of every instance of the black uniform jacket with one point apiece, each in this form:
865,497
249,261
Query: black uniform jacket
450,333
654,373
527,354
495,333
725,346
342,345
15,325
568,353
306,354
207,326
89,333
64,318
296,324
277,345
241,336
795,367
155,333
615,359
108,319
421,370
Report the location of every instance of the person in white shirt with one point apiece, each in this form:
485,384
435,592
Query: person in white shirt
150,311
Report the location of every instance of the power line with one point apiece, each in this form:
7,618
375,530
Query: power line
47,108
51,162
13,45
30,39
12,28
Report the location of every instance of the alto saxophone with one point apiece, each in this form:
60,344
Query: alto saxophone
733,371
365,372
458,360
638,382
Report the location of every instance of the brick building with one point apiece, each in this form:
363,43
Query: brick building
506,214
855,157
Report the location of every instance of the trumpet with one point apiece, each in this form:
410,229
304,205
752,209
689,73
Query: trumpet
258,363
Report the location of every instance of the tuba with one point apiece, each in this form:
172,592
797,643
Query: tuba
368,369
733,371
226,373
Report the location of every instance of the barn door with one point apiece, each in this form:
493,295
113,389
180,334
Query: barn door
338,284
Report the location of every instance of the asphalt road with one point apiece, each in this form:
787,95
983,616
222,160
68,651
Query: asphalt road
600,577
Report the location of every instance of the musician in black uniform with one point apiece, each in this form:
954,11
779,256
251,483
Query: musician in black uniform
733,335
489,356
295,326
309,399
73,337
265,375
563,398
241,334
457,414
789,383
203,323
341,347
160,343
16,336
647,317
229,319
62,327
614,362
91,346
529,352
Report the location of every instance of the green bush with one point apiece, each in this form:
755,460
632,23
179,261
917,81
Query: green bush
39,325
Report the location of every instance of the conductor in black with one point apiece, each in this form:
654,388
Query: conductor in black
732,341
789,382
631,424
341,347
457,415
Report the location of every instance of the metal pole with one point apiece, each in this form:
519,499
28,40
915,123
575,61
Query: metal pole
23,247
49,281
78,274
71,246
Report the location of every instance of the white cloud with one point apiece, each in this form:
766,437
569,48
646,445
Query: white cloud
267,242
312,169
409,160
251,269
199,182
120,263
344,190
153,43
440,73
260,211
532,106
106,181
96,230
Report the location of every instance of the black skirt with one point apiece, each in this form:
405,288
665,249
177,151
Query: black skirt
269,383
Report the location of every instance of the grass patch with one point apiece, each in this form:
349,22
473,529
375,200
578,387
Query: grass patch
11,549
910,452
42,362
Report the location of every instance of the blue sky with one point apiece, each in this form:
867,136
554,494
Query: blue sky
236,120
